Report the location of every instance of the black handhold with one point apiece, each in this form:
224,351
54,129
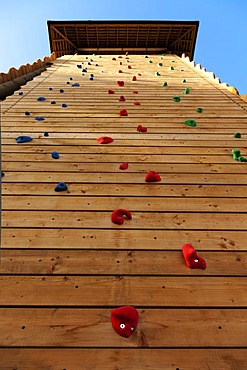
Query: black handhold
46,133
27,113
53,102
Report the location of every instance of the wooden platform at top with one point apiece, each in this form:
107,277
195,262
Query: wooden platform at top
65,265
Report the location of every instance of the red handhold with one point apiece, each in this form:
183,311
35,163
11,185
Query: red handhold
139,74
124,320
114,59
137,103
105,140
129,67
120,83
134,78
127,53
111,92
135,92
192,259
124,166
120,63
152,176
123,113
120,71
121,98
120,56
117,216
140,128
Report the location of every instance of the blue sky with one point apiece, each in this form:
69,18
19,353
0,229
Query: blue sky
221,42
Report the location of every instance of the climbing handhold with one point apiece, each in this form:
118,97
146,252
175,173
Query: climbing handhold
68,83
117,216
199,110
137,103
50,88
190,122
139,74
127,53
96,65
124,166
84,70
237,156
46,134
120,56
39,118
171,68
165,84
120,83
141,128
134,78
237,135
71,78
2,174
120,63
79,66
23,139
91,78
135,92
75,84
184,81
152,176
53,102
61,186
176,99
163,55
182,70
55,155
111,92
120,71
21,93
121,98
89,63
114,59
160,64
64,105
124,320
105,140
129,67
157,74
146,56
186,90
150,61
61,90
123,113
27,113
193,261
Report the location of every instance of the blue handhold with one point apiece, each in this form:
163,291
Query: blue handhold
91,78
23,139
63,105
20,93
91,75
41,98
84,70
78,65
68,83
46,133
61,90
50,88
53,102
76,84
2,174
55,155
96,65
91,60
89,63
39,118
61,187
27,113
86,57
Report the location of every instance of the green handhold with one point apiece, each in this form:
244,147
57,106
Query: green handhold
199,110
190,122
157,74
171,68
184,81
237,135
237,156
150,61
160,64
173,61
165,84
163,55
146,56
176,99
181,70
186,90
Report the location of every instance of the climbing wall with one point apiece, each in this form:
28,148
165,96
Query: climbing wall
66,264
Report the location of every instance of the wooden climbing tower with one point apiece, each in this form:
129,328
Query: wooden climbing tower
64,264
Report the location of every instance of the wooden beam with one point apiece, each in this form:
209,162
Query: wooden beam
179,38
64,37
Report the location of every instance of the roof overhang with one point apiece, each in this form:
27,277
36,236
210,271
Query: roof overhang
115,37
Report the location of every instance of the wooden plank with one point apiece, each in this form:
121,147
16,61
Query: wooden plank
57,238
156,328
120,290
115,262
138,204
131,359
